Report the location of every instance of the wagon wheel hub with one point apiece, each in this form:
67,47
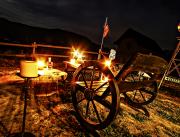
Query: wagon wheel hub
89,94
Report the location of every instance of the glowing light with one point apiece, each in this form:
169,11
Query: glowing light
80,56
77,55
178,27
107,63
41,64
73,61
41,72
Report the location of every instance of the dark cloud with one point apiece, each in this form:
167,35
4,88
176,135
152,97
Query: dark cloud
156,18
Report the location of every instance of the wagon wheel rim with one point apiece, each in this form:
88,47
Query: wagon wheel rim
143,95
94,107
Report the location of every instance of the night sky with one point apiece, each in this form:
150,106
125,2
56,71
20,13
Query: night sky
156,19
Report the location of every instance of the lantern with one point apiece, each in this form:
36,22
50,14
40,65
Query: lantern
28,68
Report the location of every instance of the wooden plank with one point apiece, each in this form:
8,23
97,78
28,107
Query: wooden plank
172,85
171,79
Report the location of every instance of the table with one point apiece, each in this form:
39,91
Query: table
47,83
55,73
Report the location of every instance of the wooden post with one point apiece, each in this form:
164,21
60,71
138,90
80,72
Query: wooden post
34,45
102,41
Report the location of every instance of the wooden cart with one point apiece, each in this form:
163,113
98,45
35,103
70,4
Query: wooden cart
96,101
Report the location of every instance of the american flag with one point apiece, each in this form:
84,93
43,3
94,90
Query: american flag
106,30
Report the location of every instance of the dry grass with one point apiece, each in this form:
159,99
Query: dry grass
54,116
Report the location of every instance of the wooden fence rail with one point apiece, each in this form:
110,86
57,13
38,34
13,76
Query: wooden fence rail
38,55
34,46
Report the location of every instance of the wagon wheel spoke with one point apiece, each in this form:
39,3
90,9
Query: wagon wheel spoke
103,102
142,95
96,111
92,77
106,93
84,79
132,79
134,94
87,108
80,100
100,86
80,88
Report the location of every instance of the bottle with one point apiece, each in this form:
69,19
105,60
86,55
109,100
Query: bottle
50,63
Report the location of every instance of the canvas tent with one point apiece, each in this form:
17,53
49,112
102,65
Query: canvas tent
132,42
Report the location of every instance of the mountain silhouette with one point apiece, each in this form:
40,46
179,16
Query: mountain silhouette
20,33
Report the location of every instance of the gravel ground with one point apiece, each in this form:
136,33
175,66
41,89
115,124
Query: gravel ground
54,116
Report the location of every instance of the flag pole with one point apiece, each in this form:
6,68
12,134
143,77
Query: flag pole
102,41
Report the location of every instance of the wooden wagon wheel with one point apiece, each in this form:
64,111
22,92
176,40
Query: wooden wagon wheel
96,102
145,91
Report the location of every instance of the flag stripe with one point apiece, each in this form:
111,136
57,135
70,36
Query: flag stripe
106,30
